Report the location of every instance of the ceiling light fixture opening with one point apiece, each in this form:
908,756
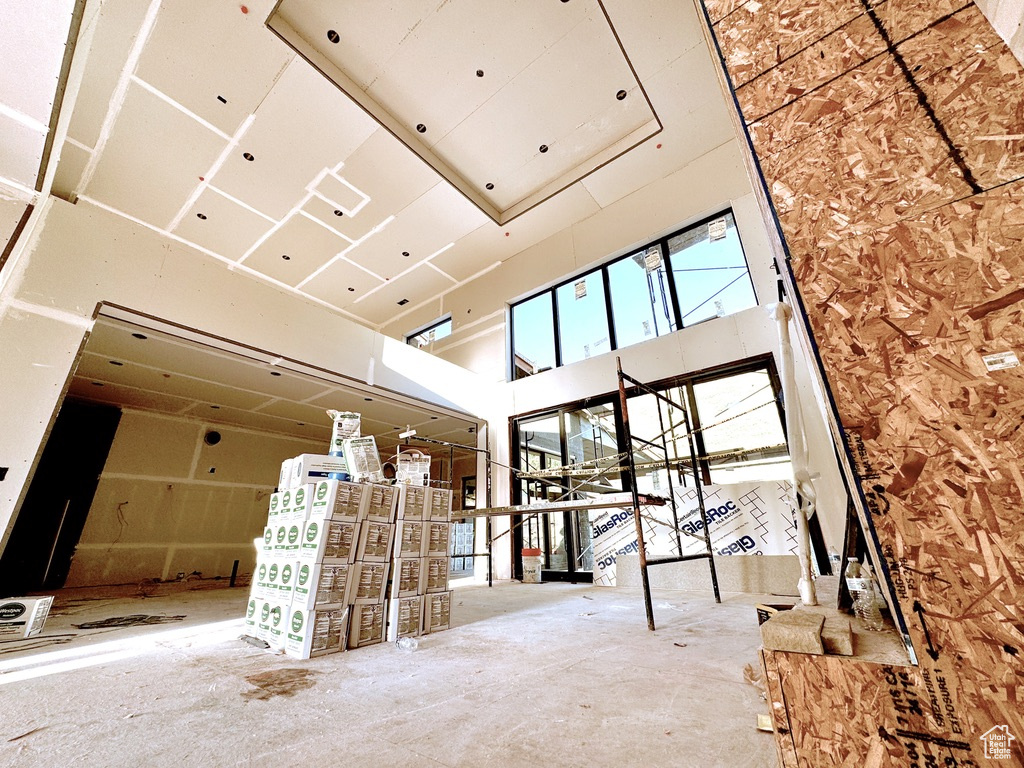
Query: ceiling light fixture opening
421,128
333,36
201,216
620,95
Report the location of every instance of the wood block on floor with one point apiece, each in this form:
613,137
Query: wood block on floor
796,631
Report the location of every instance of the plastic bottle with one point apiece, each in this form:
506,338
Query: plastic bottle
865,599
408,643
866,605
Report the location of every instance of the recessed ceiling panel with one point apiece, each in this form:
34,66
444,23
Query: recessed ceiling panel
130,397
72,162
297,249
563,102
153,160
225,70
225,227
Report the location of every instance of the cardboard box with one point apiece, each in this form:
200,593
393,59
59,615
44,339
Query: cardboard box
284,480
258,588
375,539
381,503
23,617
300,503
314,632
409,538
266,544
274,513
407,578
436,538
277,621
368,582
273,579
321,585
292,540
336,500
286,581
333,540
412,500
263,619
437,612
440,500
367,625
250,614
285,510
280,539
405,618
435,574
312,467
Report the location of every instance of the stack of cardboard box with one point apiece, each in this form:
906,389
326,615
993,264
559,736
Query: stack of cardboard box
419,601
333,550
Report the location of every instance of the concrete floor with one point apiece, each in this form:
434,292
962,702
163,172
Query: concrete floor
529,675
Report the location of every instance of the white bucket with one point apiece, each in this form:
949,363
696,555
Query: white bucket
531,566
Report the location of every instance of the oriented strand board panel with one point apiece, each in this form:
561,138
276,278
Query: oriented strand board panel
890,136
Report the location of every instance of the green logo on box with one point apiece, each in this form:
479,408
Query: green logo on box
276,615
321,491
300,495
286,573
281,532
297,620
273,572
251,610
286,498
293,534
263,571
311,531
303,575
268,536
265,613
273,502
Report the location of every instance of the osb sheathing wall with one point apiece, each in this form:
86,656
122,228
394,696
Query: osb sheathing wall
891,140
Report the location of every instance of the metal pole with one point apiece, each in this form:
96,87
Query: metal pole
700,504
641,547
668,473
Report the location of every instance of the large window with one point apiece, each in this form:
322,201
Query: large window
693,275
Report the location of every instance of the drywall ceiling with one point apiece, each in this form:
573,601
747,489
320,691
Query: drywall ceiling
450,79
150,369
32,37
199,122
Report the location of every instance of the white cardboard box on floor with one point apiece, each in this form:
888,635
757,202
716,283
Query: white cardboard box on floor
368,582
251,618
367,625
316,632
292,539
336,500
329,539
435,576
405,617
375,539
407,579
312,467
321,584
23,617
286,581
436,538
412,501
437,612
409,538
440,504
300,504
277,621
380,503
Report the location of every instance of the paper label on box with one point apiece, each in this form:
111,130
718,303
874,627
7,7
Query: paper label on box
438,542
437,574
717,229
371,581
411,544
377,539
1001,361
409,575
369,624
438,611
382,502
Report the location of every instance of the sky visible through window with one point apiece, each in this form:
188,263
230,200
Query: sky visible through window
711,279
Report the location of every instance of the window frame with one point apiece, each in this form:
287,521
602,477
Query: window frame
426,329
673,295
